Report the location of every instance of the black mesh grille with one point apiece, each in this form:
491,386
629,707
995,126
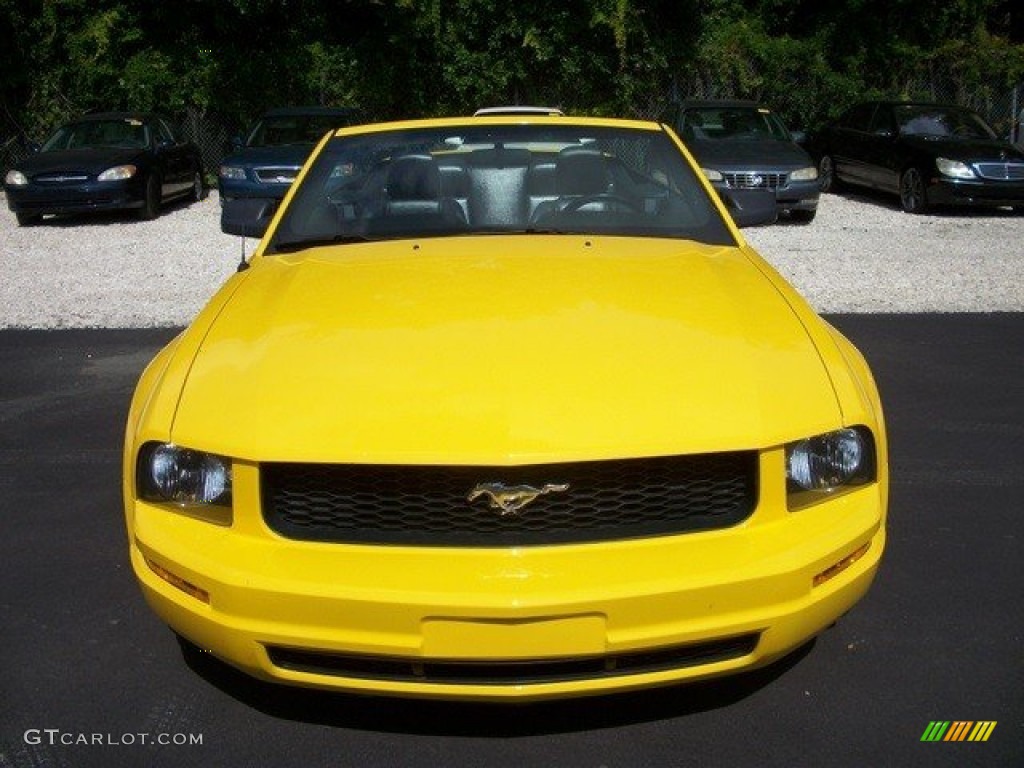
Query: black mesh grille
429,505
512,672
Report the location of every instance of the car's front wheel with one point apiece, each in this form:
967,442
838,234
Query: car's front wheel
827,180
27,219
151,202
803,217
912,195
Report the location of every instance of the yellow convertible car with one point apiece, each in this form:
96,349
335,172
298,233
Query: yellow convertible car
504,408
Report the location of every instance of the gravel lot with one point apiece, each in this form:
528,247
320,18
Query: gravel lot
860,255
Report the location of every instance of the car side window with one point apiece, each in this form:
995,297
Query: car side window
883,121
164,133
858,118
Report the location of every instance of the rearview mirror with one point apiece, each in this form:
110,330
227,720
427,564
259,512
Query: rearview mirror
750,207
247,217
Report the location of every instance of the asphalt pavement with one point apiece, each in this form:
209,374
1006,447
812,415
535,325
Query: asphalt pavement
90,677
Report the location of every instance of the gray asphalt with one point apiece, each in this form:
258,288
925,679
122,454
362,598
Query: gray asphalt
89,677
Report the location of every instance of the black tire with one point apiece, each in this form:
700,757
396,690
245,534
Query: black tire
827,179
912,194
27,219
803,217
151,203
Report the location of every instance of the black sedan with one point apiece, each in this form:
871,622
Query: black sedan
742,145
109,161
928,154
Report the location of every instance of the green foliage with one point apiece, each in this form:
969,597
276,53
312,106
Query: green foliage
408,58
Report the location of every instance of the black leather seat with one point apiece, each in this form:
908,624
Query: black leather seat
413,194
582,177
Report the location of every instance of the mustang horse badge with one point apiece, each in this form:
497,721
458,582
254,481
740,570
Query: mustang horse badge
512,498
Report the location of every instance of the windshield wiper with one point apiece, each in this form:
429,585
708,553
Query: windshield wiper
545,231
290,246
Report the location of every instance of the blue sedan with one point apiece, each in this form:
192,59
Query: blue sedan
266,164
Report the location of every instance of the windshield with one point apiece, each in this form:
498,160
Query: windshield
277,130
732,124
127,133
533,178
945,122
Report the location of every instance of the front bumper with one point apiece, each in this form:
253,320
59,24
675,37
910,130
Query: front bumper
39,199
982,194
230,189
793,196
798,196
507,624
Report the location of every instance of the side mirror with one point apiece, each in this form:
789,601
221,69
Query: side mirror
750,207
247,217
799,137
236,143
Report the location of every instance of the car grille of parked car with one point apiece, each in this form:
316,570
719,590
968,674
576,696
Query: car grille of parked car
276,174
61,178
431,505
755,180
1001,171
519,672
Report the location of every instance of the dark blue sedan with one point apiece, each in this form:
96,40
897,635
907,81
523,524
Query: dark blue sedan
269,160
108,161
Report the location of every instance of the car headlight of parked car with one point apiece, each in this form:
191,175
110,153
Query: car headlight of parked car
712,174
953,168
171,474
818,467
117,173
15,179
232,172
809,173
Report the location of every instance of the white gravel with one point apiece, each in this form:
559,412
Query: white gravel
860,255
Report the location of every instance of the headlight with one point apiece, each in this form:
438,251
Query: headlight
15,179
232,172
810,173
168,473
822,465
117,173
712,174
953,168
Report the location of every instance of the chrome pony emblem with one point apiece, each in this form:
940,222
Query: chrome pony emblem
509,499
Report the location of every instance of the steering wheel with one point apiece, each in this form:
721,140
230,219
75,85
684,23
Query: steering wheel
604,197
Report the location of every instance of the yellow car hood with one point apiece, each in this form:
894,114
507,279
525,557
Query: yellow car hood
503,350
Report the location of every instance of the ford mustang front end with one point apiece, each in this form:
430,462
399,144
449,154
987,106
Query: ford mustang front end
504,408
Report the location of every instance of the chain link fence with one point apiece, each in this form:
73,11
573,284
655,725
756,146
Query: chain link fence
1004,110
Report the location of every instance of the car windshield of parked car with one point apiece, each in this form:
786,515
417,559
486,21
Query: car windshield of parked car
499,179
733,124
122,133
278,130
942,122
